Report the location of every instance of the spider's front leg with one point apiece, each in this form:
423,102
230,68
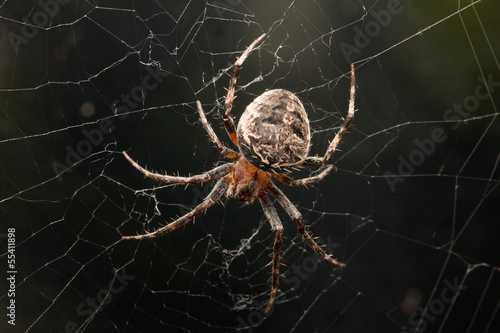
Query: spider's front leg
215,173
219,189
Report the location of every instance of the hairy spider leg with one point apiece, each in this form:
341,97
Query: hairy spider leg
303,181
277,226
215,173
347,122
297,217
228,121
219,189
220,146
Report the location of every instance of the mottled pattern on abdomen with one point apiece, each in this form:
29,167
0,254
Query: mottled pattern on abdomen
273,132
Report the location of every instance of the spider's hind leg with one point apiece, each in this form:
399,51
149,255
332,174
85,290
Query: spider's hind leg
277,226
297,217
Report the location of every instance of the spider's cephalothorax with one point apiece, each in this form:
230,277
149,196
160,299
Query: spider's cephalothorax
273,132
273,136
248,181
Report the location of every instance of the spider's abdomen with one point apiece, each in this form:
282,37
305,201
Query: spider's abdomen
273,132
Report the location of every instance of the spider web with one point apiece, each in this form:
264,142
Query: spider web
411,207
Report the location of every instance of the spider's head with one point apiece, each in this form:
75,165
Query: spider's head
246,191
248,181
273,133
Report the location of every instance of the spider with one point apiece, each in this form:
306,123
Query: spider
273,137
